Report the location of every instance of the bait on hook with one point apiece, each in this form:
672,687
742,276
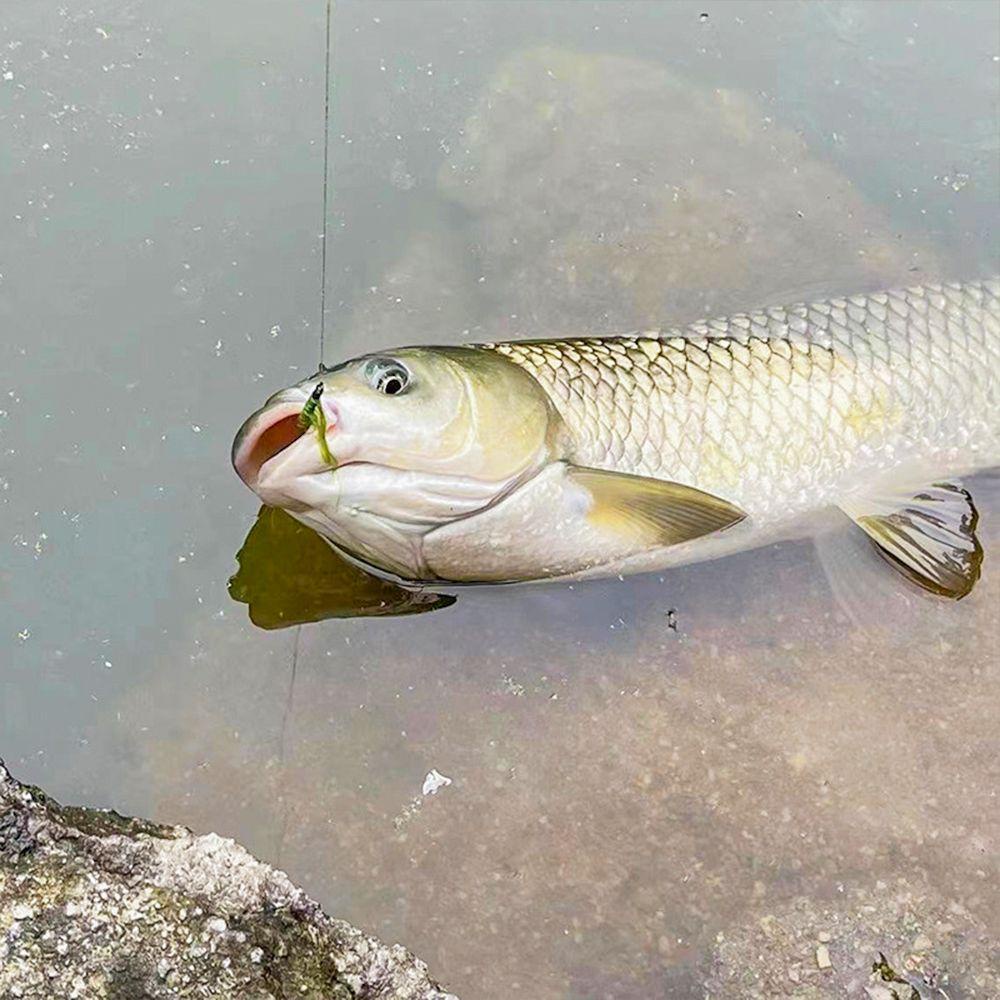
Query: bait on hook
313,415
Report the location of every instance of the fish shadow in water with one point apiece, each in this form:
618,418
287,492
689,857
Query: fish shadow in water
289,576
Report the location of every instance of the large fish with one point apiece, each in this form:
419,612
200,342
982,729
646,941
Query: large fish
583,457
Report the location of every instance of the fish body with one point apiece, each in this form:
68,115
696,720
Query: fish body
549,458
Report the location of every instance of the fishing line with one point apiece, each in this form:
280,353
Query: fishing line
326,186
308,413
289,699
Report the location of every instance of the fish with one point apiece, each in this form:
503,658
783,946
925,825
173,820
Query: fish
528,460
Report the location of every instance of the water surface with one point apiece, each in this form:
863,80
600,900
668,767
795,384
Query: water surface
635,794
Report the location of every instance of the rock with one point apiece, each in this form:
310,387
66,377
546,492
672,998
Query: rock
97,905
607,194
879,992
823,957
600,194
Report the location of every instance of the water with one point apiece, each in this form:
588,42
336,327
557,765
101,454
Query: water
632,804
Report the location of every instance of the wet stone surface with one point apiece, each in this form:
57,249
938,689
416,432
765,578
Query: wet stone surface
95,905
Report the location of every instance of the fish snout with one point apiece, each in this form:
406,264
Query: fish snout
275,428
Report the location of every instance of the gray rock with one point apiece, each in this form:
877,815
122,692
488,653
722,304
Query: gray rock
607,194
94,905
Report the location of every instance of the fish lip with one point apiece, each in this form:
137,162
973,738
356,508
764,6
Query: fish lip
247,456
270,432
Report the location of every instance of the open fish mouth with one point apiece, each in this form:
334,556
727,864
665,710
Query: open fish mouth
266,434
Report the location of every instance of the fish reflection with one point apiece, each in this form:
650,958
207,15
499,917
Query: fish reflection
289,576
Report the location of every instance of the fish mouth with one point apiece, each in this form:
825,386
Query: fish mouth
268,433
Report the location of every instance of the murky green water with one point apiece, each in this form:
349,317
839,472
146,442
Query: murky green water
630,802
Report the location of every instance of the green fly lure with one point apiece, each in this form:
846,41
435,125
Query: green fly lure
313,415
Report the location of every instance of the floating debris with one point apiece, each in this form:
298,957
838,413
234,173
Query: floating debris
434,782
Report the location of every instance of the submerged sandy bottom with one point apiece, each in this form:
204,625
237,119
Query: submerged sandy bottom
631,809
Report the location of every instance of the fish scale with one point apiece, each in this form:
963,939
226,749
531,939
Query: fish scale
784,409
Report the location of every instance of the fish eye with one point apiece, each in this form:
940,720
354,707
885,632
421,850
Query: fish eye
387,376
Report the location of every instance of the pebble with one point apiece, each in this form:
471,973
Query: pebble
879,992
823,957
922,943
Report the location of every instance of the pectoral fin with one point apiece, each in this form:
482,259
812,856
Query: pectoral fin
651,512
929,535
568,520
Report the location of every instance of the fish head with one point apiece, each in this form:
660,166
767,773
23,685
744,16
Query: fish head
414,438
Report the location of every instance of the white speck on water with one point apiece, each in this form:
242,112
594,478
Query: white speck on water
275,330
956,182
25,634
400,177
434,782
9,75
196,428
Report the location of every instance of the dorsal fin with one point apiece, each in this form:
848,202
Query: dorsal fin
928,535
